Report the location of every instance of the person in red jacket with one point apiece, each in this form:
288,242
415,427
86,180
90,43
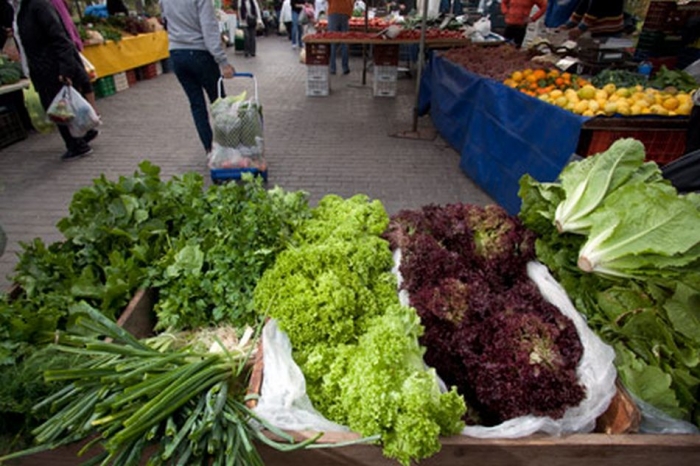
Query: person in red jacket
517,15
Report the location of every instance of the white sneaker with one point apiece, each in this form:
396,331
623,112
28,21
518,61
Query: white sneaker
294,46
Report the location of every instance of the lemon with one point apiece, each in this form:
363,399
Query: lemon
610,88
684,108
588,113
593,105
601,94
610,108
623,92
671,103
587,92
623,108
556,93
561,101
581,107
657,109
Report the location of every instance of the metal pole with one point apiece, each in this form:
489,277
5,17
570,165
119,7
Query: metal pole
421,58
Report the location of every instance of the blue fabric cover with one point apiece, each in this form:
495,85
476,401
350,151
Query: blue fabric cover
558,12
500,133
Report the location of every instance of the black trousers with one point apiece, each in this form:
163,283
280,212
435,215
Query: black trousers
516,33
249,33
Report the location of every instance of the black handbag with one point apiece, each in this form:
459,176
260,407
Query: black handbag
251,21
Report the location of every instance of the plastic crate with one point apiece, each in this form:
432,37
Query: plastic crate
317,88
386,73
146,72
131,77
317,72
104,87
662,145
385,55
121,83
384,88
318,54
222,175
11,128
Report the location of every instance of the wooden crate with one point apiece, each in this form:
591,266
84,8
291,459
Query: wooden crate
597,449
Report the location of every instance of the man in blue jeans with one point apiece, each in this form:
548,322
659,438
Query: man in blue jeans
197,55
339,12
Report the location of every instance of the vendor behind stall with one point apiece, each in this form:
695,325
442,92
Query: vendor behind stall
600,18
115,7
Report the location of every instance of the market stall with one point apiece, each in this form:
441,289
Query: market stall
499,133
128,53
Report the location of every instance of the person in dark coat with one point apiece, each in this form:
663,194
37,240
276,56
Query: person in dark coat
6,16
53,60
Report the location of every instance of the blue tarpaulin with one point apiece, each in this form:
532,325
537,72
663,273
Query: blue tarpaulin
500,133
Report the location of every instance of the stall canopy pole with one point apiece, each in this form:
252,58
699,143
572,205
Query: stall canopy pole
414,133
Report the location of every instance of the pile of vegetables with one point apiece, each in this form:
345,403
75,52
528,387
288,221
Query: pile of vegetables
184,396
624,244
620,78
497,62
10,71
334,295
203,249
678,79
488,331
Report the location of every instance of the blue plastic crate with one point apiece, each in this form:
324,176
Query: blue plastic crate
221,175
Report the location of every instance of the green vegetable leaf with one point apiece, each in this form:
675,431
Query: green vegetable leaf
588,182
683,311
643,228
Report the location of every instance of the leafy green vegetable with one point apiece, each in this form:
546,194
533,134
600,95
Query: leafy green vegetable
334,295
679,79
642,229
646,303
586,183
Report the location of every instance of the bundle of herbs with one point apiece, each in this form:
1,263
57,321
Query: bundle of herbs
182,403
625,246
204,249
488,330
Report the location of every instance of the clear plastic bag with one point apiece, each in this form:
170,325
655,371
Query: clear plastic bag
70,108
238,133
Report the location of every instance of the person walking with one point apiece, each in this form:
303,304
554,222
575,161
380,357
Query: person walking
339,12
53,61
600,18
197,56
516,14
297,27
286,18
250,16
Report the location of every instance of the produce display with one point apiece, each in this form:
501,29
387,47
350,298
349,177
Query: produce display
613,232
497,62
10,71
488,330
403,35
334,295
624,245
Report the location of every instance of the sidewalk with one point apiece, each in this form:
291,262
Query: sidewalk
338,144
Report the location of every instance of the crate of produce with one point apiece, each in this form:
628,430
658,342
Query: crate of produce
384,88
131,77
316,72
121,83
318,54
386,73
146,72
664,139
318,88
11,128
104,87
385,55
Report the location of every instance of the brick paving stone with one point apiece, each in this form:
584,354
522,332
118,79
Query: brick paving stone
338,144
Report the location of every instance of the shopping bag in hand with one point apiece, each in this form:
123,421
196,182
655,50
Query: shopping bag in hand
70,108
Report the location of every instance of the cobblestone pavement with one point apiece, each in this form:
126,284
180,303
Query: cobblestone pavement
343,143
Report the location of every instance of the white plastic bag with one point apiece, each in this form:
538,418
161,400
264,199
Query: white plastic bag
70,108
238,137
283,400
